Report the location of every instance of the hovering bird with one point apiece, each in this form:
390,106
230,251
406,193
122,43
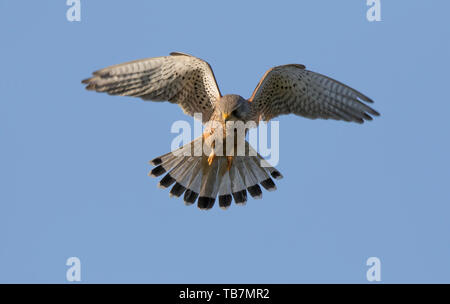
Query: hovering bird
189,82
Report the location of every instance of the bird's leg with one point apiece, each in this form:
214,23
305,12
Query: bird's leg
212,155
229,162
229,154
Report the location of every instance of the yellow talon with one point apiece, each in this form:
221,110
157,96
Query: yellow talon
229,162
211,158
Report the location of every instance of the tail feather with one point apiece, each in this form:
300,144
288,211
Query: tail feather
173,166
237,182
166,181
263,164
181,171
225,197
201,182
225,201
260,173
190,197
273,172
251,174
195,180
255,191
246,174
210,185
177,190
181,174
166,166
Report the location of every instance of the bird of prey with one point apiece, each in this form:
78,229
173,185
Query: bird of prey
189,82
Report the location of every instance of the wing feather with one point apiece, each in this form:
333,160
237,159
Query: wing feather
179,78
293,89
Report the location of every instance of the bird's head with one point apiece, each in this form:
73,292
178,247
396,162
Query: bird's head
233,107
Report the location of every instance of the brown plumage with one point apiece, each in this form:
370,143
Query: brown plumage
189,82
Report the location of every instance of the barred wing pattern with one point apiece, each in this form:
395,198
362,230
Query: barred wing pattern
179,78
291,88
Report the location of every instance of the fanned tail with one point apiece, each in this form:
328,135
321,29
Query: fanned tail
201,182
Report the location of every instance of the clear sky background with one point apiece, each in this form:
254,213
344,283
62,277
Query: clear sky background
74,163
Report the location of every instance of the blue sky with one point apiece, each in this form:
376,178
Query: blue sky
74,163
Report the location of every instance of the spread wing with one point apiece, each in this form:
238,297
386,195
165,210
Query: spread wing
179,78
293,89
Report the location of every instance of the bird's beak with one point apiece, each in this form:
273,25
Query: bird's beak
225,116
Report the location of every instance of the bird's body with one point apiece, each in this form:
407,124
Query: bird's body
221,169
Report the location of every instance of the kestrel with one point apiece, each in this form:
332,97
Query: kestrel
189,82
